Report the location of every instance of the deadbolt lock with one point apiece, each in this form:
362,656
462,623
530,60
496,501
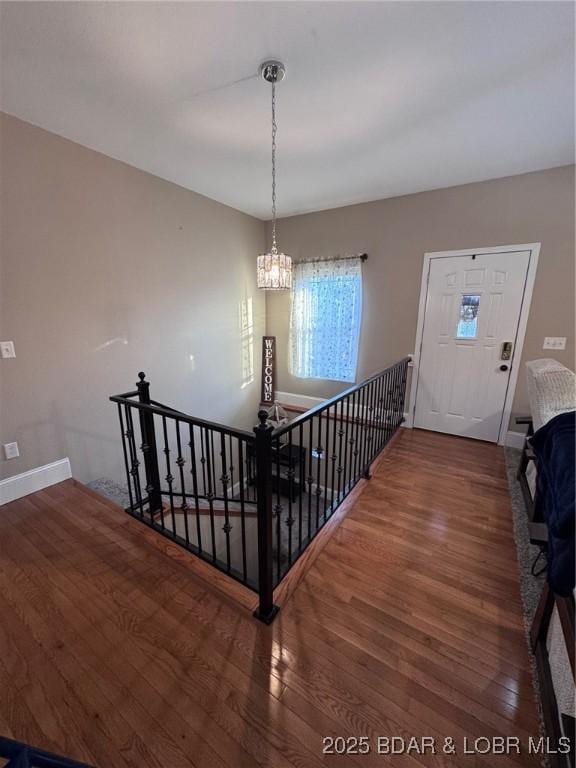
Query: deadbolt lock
506,352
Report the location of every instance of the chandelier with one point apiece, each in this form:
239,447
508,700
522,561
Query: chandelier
274,270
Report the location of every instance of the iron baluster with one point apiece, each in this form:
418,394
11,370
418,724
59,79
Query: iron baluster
340,468
290,519
397,395
398,379
263,432
169,477
392,400
225,479
361,431
194,473
210,494
251,475
370,430
231,466
376,418
381,390
374,442
278,512
134,471
403,388
148,447
180,462
301,481
387,407
318,470
346,445
326,461
354,439
213,465
365,428
310,478
242,507
203,464
126,465
333,457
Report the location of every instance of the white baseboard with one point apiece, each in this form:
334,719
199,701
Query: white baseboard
515,439
303,401
34,480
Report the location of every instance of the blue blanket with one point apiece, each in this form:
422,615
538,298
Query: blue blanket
554,446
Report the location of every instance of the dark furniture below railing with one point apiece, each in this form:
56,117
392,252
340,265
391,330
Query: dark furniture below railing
286,459
21,755
250,503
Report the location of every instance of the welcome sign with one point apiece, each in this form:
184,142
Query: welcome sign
268,370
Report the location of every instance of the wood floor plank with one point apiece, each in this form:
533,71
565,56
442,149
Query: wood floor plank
69,661
114,650
141,672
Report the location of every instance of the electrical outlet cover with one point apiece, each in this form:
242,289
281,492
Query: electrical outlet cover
554,342
7,349
11,450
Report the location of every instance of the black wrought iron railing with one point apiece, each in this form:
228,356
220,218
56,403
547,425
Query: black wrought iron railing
192,480
250,503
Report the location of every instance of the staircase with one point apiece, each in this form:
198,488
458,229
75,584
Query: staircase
250,503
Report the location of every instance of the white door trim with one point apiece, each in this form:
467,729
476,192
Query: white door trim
534,249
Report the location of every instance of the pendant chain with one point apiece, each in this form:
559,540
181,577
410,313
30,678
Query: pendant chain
274,129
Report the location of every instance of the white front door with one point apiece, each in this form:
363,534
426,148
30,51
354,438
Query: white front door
470,324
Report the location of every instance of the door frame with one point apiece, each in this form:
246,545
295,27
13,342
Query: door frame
534,249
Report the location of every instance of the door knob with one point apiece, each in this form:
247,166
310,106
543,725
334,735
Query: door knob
503,367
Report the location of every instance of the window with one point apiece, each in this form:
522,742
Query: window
468,320
325,319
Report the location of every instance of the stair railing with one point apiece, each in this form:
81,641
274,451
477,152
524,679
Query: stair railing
250,503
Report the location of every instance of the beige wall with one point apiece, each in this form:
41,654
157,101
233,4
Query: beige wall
106,270
534,207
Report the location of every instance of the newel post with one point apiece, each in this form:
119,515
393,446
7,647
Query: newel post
266,610
149,447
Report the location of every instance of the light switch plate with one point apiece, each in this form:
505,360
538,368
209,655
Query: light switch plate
554,342
7,349
11,450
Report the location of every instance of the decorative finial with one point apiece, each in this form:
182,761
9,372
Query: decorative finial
263,416
141,375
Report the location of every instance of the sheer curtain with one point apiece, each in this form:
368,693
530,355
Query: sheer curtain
325,319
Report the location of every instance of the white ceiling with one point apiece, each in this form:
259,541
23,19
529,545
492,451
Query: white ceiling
380,98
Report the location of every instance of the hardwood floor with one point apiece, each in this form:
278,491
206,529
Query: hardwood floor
407,624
